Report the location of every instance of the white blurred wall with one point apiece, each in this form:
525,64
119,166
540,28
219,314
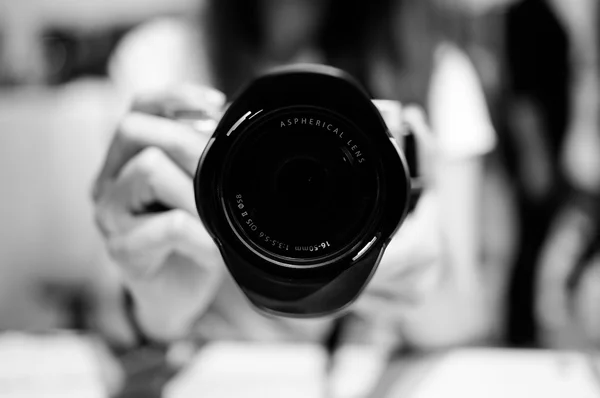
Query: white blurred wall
51,144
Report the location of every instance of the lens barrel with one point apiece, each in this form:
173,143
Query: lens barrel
302,186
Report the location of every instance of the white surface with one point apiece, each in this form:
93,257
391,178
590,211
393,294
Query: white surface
356,371
253,370
52,144
501,374
48,366
265,370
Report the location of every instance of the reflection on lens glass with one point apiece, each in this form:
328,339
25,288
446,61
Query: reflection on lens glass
300,185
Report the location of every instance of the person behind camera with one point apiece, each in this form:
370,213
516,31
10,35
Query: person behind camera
430,290
567,274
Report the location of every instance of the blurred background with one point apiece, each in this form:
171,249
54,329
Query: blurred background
65,82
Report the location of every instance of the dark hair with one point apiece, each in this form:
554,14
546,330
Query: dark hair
353,31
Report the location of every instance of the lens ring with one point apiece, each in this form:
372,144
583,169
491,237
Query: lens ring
309,160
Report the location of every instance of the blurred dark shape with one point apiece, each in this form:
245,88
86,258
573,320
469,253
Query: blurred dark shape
72,300
538,63
350,33
537,51
65,55
521,52
146,373
70,55
146,368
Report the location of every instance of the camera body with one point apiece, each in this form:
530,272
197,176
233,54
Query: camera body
302,187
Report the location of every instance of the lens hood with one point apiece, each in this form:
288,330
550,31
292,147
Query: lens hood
302,186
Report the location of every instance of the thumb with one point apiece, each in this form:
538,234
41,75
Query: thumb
427,146
414,118
205,102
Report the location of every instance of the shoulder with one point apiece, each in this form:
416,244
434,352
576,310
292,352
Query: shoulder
457,106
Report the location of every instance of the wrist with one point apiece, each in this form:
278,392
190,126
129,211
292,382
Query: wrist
151,326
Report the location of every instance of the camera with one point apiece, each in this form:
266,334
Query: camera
302,186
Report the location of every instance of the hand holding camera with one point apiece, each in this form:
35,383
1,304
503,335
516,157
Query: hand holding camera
170,265
300,190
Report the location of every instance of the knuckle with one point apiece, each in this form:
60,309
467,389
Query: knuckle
127,128
214,96
126,258
145,102
123,127
103,219
123,256
149,159
147,165
116,249
201,95
178,224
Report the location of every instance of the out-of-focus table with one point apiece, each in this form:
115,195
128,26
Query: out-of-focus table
53,365
70,365
491,373
467,373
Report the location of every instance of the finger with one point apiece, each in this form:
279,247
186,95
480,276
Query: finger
407,285
149,178
391,311
408,246
200,107
398,294
110,215
407,278
137,131
391,112
183,98
427,147
415,119
379,305
152,177
143,250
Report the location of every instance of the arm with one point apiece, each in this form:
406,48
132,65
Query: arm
450,300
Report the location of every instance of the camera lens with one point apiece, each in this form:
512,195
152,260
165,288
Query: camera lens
302,186
299,187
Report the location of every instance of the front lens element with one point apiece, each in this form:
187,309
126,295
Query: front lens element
300,185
